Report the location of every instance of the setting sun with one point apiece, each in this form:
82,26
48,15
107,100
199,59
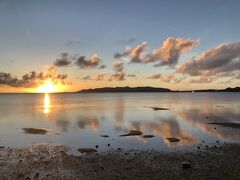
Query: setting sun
47,87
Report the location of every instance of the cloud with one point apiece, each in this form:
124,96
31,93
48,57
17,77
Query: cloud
168,54
33,78
155,76
127,41
179,79
118,66
84,63
170,51
163,78
221,59
62,60
131,75
119,76
135,54
103,66
87,77
100,77
202,79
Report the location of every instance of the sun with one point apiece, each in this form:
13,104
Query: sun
47,87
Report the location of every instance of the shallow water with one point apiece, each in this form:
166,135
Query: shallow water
79,120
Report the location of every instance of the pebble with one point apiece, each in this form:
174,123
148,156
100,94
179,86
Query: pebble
185,165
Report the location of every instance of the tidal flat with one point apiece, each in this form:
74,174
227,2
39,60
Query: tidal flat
48,161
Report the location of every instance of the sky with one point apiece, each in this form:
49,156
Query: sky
79,44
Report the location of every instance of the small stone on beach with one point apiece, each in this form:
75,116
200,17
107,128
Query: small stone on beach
87,150
185,165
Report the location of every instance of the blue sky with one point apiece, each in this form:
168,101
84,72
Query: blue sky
34,33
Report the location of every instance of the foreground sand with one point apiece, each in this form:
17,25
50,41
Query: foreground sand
51,162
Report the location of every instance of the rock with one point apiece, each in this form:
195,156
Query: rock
2,147
158,108
35,130
87,150
96,146
105,136
198,147
36,176
217,141
132,133
173,139
108,145
185,165
119,149
148,136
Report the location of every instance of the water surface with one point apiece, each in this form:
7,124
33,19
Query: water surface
79,120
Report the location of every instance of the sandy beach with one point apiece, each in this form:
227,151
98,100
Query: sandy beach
47,161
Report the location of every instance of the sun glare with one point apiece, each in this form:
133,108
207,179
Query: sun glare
47,87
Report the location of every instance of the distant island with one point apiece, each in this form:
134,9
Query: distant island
149,89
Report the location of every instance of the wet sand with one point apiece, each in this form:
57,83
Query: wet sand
52,162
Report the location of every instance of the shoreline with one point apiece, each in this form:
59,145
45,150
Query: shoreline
48,161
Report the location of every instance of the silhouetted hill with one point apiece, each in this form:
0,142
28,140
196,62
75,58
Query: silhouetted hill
150,89
125,89
236,89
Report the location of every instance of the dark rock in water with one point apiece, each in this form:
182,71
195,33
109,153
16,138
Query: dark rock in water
108,145
173,139
185,165
35,130
217,141
2,147
148,136
105,136
159,109
96,146
87,150
132,133
119,149
198,147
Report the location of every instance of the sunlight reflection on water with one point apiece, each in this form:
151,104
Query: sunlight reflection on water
47,103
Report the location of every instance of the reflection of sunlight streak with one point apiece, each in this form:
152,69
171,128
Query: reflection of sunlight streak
47,104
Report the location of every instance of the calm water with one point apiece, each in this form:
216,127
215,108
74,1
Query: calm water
78,120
